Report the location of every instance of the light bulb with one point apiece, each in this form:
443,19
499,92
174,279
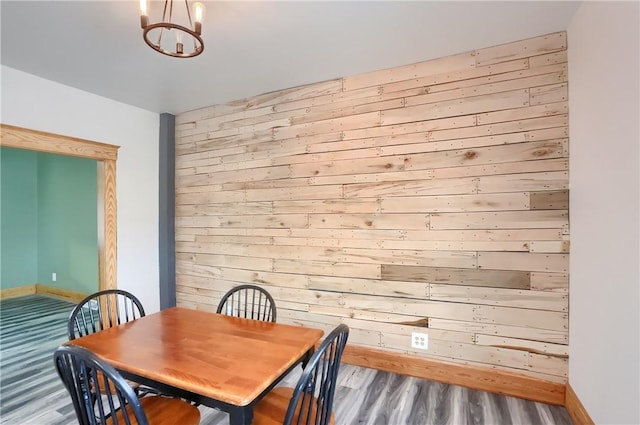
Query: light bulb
198,13
144,7
144,13
179,45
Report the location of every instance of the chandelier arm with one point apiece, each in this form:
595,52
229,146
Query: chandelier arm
164,18
186,5
160,35
164,12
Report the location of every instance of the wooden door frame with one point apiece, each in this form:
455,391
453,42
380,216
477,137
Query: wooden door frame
106,156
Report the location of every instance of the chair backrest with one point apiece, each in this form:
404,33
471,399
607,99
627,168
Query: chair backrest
84,375
249,301
312,399
103,310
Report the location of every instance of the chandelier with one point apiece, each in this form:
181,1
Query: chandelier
170,38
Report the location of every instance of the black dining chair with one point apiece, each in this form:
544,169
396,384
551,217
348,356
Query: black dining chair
248,301
103,310
311,401
84,374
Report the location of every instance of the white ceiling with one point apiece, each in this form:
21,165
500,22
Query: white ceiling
253,47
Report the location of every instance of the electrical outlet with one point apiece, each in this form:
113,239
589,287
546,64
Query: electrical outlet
419,340
54,276
93,305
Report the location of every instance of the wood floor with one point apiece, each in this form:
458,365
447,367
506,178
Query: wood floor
32,394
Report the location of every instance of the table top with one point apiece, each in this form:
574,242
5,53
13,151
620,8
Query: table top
225,358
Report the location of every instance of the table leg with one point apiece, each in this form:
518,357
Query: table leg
241,415
307,357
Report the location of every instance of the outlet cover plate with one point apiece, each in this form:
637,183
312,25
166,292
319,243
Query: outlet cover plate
419,341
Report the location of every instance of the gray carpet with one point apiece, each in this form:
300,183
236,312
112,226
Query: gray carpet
32,394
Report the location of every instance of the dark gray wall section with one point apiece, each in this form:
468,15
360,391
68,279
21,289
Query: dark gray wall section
167,242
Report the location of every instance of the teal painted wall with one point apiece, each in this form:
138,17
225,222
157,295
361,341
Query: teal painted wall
61,214
18,218
68,222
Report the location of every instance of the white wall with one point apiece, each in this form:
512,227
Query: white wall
35,103
604,282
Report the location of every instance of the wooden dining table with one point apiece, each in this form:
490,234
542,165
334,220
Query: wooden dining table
220,361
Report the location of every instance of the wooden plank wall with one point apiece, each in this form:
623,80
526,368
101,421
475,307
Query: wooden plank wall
431,197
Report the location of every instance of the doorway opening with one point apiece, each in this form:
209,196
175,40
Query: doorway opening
106,156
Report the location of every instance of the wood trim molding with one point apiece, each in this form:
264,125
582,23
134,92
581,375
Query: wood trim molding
485,379
20,291
65,294
576,410
106,155
38,288
107,237
33,140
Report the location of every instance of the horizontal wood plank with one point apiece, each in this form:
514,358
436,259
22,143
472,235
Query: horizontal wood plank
458,276
530,47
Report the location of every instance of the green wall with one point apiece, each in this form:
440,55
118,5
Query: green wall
18,217
68,222
61,215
